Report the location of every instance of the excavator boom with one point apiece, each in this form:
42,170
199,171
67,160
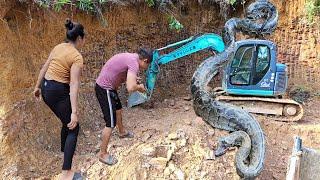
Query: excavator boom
185,47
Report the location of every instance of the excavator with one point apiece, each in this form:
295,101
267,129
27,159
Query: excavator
252,79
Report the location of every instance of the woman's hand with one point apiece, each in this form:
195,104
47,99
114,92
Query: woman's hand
37,92
74,121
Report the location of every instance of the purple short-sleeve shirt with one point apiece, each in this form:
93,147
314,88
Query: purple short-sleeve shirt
115,70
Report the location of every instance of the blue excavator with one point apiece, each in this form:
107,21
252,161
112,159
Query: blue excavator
252,80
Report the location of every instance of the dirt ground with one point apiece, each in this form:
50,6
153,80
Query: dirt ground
170,143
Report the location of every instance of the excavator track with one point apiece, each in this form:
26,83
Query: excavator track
279,109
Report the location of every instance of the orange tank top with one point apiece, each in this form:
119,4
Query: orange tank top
62,57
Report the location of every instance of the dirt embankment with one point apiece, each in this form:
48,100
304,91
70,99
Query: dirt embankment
29,132
170,143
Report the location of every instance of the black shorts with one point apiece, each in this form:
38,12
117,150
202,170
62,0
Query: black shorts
109,102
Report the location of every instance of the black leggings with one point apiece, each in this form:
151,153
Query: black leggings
56,96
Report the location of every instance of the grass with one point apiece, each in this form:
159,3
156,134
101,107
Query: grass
95,7
312,9
167,7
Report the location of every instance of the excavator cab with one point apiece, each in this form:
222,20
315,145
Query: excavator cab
254,70
253,78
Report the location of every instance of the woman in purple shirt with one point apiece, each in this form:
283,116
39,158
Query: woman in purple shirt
119,69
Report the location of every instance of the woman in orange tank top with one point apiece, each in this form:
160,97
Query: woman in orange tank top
58,83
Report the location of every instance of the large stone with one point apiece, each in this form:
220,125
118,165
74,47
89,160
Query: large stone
172,102
186,108
210,155
159,163
148,151
181,134
173,136
179,173
211,132
182,143
145,137
170,154
167,172
171,166
187,98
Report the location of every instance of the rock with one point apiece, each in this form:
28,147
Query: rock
32,169
172,176
97,147
181,134
167,172
188,122
159,163
86,134
179,174
170,154
145,137
187,98
173,136
172,102
40,140
182,142
211,132
171,166
148,151
199,121
185,150
210,155
203,174
146,165
186,108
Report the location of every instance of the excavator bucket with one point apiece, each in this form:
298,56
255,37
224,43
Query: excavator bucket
137,98
304,163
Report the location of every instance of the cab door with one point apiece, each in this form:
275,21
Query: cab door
251,70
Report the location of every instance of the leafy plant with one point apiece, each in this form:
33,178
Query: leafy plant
150,2
58,5
174,23
43,3
312,9
85,5
300,93
94,6
232,2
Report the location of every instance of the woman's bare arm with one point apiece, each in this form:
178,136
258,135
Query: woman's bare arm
74,89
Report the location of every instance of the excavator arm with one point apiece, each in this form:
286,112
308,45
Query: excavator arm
185,47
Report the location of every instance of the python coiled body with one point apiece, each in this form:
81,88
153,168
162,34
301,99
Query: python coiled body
247,133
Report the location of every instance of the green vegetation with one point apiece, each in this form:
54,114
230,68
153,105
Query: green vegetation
312,8
167,7
94,6
84,5
150,3
300,93
232,2
174,23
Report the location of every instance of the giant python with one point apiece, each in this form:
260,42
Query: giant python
261,19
